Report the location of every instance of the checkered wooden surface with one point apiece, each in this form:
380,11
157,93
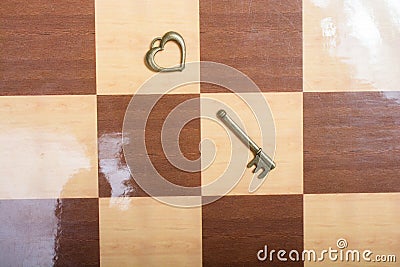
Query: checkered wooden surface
69,69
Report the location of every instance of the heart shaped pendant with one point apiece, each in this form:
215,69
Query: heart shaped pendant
169,36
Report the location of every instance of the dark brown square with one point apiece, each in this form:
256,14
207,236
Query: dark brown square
235,228
62,232
47,47
114,175
351,142
262,38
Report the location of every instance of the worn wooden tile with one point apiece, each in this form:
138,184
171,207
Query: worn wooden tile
49,147
112,164
351,45
287,109
124,31
47,47
261,38
114,176
37,232
149,233
365,221
351,142
235,228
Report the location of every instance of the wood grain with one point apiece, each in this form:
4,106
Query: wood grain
124,31
149,233
47,48
351,46
366,221
77,232
49,232
49,147
114,176
112,164
351,142
235,228
262,38
283,140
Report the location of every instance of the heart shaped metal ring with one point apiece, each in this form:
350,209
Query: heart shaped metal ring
169,36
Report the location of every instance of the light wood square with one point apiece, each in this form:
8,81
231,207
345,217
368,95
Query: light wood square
287,177
351,45
124,31
365,221
149,233
49,147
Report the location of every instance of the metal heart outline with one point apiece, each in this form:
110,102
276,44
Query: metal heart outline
169,36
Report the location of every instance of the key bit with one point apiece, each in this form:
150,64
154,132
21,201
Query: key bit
261,161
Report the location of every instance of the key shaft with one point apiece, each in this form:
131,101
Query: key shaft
231,124
260,156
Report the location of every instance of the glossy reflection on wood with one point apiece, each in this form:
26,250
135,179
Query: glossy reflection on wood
149,233
351,142
261,38
114,175
49,147
112,164
351,45
366,221
51,232
47,48
235,228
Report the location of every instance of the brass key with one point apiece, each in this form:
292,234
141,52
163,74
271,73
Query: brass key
260,160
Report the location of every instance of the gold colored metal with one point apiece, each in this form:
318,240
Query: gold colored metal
261,160
169,36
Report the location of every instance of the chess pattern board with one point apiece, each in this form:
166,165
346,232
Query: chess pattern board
328,69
